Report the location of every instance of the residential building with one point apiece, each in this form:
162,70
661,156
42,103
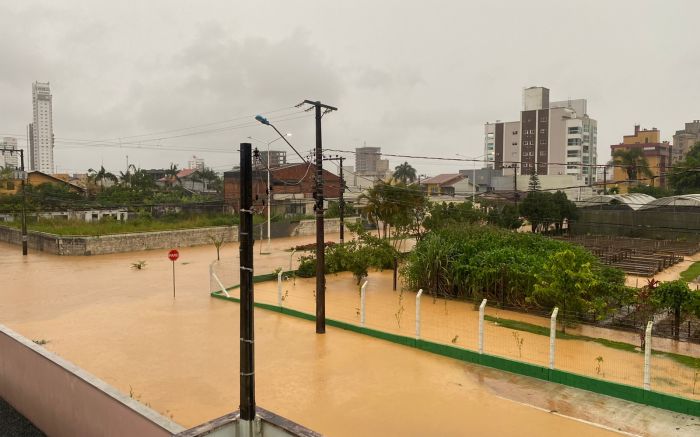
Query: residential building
186,178
656,152
366,159
292,188
41,139
273,158
550,138
447,185
7,158
684,139
196,163
36,178
369,167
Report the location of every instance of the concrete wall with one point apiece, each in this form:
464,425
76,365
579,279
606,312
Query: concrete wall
98,245
308,227
63,400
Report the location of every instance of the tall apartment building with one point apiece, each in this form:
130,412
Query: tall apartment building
684,139
41,130
366,159
656,152
196,163
274,158
8,159
551,138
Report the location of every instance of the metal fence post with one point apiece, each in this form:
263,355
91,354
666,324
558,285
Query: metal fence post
279,288
552,336
420,292
291,256
647,356
481,326
362,304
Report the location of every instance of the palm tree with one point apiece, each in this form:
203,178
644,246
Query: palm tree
405,173
126,178
100,176
634,163
171,174
207,175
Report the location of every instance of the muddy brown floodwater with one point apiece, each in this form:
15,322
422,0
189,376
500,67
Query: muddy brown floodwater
180,356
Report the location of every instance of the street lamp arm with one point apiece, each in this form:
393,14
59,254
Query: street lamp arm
288,143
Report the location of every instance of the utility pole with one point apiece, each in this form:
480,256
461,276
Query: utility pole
320,243
516,196
341,201
25,238
246,238
605,179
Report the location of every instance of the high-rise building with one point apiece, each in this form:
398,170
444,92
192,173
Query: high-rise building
41,130
551,138
273,158
684,139
366,159
656,153
196,163
7,158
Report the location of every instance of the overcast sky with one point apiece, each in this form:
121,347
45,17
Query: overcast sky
413,77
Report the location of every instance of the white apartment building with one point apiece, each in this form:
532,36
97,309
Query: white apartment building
41,130
196,163
8,159
557,138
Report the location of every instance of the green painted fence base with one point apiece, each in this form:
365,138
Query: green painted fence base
614,389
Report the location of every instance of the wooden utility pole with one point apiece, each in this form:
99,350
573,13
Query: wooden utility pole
320,109
245,250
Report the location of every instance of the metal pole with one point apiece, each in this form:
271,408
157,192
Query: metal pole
279,289
420,292
290,259
481,326
173,279
320,248
362,304
342,203
269,200
552,336
647,356
473,182
246,238
25,237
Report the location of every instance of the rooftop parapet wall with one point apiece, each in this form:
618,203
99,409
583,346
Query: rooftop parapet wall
64,400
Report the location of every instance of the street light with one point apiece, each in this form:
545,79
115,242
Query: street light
269,187
473,174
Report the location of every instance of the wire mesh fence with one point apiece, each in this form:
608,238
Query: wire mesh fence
594,351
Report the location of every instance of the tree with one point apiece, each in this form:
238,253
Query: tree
125,178
100,176
6,177
171,174
538,208
565,282
563,209
534,183
685,176
677,297
405,173
633,161
442,215
391,206
504,216
651,191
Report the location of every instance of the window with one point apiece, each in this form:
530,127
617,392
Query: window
542,131
573,142
572,154
543,153
515,132
574,130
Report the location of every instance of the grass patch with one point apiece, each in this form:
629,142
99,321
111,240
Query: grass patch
110,226
691,272
685,360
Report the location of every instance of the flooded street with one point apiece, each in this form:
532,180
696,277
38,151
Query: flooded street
180,356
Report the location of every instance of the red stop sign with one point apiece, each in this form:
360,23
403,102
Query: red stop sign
173,255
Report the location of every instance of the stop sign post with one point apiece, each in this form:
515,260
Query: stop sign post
173,255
